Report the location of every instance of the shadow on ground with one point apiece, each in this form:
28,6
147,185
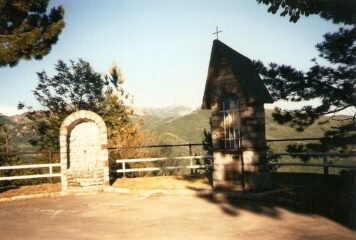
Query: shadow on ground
5,189
332,196
232,202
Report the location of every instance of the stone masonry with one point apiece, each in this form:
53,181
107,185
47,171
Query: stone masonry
232,74
84,153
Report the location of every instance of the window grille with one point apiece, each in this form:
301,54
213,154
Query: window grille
231,123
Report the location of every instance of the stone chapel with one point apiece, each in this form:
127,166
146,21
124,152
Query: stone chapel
235,94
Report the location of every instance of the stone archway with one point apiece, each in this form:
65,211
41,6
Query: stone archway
83,152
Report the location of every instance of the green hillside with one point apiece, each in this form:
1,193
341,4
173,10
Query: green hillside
277,131
185,129
189,128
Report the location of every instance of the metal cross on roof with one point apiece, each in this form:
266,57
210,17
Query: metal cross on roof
217,33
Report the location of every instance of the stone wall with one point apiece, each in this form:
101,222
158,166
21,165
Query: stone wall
248,161
84,153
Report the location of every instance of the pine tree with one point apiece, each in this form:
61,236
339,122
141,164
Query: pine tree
333,84
26,30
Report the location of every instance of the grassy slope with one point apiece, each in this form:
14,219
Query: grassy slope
189,128
277,131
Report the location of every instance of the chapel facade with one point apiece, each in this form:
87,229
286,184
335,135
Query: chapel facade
236,95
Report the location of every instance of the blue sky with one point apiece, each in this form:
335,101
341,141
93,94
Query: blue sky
163,47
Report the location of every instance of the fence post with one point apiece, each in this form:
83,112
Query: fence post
50,172
242,171
325,163
123,168
50,168
191,160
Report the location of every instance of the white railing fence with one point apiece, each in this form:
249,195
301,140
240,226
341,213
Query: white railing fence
50,173
326,164
192,164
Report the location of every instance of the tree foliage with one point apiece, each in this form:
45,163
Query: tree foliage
6,147
339,11
333,84
6,143
26,30
76,86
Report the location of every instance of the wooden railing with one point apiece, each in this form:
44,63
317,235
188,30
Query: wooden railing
124,162
325,163
124,169
50,173
46,154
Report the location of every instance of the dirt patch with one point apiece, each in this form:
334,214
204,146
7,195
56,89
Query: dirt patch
29,190
164,183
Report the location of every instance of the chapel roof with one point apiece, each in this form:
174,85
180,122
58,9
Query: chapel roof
244,72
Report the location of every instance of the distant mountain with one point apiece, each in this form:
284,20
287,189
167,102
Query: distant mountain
18,119
164,112
17,124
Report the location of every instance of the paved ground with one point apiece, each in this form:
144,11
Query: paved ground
113,216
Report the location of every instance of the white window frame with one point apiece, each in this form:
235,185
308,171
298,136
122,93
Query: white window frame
231,123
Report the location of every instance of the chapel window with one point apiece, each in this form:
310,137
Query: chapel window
231,122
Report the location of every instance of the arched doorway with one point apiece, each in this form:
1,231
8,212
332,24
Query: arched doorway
84,154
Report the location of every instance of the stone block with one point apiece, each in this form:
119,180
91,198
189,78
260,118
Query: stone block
226,166
102,128
82,114
75,116
250,157
214,107
73,184
62,139
257,181
63,166
63,156
87,115
252,122
248,112
68,120
63,149
104,137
